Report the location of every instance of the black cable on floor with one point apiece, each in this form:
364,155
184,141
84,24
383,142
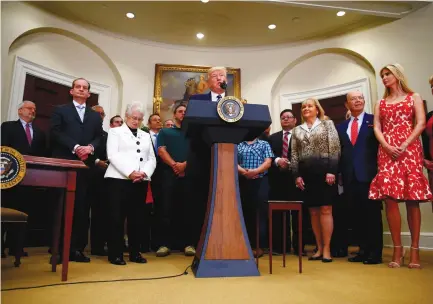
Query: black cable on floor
185,272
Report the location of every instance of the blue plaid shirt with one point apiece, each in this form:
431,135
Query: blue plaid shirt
252,156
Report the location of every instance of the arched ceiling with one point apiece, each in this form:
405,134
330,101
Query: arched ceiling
230,24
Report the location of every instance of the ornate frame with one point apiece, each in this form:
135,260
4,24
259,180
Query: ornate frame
161,68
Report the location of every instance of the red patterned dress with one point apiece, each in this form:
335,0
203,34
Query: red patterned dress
401,179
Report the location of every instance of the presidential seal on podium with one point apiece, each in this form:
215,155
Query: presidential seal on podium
230,109
12,167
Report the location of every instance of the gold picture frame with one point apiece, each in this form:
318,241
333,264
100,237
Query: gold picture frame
174,83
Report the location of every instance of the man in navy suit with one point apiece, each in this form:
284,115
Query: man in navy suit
199,158
358,167
76,132
26,138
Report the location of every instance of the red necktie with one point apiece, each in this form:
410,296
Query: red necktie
354,131
285,144
28,134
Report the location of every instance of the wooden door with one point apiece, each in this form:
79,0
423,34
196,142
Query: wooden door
334,108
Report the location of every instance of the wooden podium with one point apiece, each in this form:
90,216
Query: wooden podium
56,173
224,249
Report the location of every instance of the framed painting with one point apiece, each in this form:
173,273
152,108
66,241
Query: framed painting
175,83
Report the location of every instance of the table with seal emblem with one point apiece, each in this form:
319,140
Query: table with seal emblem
51,173
224,249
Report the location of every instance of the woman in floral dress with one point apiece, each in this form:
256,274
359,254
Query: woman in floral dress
399,120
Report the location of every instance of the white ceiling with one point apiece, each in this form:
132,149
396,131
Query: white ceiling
230,24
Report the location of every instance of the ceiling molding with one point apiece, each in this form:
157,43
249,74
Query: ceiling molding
387,8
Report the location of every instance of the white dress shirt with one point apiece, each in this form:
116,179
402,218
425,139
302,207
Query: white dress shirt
349,127
214,96
30,127
128,153
289,136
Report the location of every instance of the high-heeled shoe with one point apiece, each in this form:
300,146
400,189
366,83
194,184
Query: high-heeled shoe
414,265
394,264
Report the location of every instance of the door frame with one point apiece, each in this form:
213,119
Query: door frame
362,85
22,67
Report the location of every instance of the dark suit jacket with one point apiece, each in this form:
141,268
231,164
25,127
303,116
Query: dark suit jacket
67,130
198,160
13,135
281,182
359,161
425,138
101,151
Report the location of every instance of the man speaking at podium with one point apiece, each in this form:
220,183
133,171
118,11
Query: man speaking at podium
198,164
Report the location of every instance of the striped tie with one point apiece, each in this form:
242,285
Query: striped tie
285,144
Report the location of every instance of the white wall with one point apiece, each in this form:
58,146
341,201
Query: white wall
64,54
407,41
322,71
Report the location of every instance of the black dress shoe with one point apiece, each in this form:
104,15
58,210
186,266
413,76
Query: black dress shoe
372,261
137,258
356,259
99,252
117,261
78,256
325,260
318,258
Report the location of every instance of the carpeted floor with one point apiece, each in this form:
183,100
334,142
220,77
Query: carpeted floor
334,283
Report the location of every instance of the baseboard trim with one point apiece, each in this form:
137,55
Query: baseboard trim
425,241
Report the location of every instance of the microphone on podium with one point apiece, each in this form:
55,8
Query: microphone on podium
223,85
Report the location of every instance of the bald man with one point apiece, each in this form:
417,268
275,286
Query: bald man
358,167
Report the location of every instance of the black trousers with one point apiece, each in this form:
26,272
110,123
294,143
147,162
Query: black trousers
174,213
367,217
340,213
99,214
254,197
81,222
126,200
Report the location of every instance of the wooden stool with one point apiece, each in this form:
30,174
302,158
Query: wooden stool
19,219
285,206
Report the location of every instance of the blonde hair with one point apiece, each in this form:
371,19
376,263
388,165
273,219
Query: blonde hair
348,114
398,72
321,112
217,68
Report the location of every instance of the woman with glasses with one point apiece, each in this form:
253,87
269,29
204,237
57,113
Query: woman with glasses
399,119
132,163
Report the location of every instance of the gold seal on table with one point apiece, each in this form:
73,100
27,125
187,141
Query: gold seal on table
230,109
12,167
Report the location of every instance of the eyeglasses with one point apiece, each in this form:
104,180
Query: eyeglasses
357,98
29,108
287,117
135,118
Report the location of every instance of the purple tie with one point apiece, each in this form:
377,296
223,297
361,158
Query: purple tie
28,134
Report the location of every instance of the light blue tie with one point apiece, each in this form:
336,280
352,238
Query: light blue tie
81,112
